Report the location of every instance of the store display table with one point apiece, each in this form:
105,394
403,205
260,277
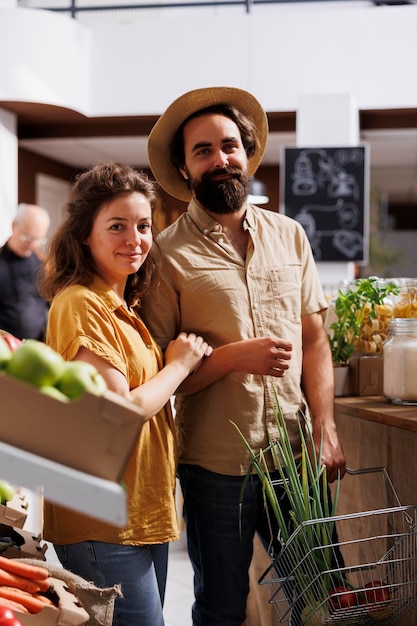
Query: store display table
376,433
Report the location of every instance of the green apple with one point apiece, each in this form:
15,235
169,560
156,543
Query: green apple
80,377
5,353
36,363
54,393
6,491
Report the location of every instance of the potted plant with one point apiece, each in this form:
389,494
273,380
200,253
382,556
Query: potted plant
355,309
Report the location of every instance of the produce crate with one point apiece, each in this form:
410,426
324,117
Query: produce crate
16,543
68,611
375,545
14,512
92,434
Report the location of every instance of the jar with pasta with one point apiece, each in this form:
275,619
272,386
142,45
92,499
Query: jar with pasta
406,301
375,325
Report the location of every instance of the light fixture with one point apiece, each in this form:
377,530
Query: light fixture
257,192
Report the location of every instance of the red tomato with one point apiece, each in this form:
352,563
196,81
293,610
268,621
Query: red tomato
12,341
6,613
378,597
343,597
7,617
376,593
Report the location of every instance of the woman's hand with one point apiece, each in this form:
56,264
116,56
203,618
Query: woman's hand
187,350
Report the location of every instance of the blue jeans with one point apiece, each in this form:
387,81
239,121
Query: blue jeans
220,541
140,570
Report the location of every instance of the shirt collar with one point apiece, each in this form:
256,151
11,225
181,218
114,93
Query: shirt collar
110,297
206,223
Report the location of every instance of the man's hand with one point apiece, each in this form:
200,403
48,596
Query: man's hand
267,356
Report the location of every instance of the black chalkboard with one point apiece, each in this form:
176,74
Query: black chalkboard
326,191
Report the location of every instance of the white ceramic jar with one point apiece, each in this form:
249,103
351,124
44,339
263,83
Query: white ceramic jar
400,361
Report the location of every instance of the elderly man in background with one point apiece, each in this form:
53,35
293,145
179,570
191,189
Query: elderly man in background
23,312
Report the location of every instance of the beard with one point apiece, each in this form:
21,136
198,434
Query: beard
222,197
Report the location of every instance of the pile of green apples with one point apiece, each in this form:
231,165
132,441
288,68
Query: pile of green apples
38,364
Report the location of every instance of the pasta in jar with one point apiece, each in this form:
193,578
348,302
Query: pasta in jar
406,302
374,330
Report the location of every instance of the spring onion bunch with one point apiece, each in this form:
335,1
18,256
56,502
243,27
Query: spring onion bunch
305,485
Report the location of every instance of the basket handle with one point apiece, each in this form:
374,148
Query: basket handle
369,470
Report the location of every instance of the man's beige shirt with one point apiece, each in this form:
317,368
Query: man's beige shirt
209,289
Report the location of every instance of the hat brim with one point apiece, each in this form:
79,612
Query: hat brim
161,135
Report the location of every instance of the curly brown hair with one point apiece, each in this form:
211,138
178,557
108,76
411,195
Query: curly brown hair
69,260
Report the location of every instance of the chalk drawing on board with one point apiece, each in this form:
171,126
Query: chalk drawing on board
324,190
336,222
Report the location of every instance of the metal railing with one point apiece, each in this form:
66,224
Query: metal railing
73,8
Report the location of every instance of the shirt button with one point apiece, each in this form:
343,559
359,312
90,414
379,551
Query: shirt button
205,231
255,305
221,239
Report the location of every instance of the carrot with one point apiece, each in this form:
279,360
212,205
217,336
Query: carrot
43,585
14,566
13,580
14,606
34,605
44,599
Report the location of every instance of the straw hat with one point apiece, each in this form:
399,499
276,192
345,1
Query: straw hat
165,128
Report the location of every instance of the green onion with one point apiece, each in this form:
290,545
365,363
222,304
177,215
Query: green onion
305,485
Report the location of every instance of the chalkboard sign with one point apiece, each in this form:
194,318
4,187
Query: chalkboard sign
326,191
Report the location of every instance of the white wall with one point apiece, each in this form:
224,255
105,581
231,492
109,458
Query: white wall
276,51
8,172
52,193
45,59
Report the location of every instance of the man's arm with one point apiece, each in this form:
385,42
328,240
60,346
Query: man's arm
267,356
318,387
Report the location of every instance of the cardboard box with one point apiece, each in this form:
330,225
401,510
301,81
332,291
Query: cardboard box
367,375
14,512
92,434
69,612
22,544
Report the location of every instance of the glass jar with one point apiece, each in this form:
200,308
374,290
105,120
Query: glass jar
400,361
406,301
375,324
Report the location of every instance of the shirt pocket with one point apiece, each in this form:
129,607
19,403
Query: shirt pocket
283,291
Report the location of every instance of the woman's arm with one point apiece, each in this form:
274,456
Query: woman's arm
182,356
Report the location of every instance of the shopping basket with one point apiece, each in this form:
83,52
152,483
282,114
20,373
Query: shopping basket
366,573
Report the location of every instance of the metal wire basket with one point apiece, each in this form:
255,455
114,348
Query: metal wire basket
366,574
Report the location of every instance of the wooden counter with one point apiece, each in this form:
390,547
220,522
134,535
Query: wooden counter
378,409
376,433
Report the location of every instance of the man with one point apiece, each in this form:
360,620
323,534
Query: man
23,312
245,279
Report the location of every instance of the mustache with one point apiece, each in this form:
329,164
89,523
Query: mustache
234,172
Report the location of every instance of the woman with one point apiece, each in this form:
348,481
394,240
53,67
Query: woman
99,268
